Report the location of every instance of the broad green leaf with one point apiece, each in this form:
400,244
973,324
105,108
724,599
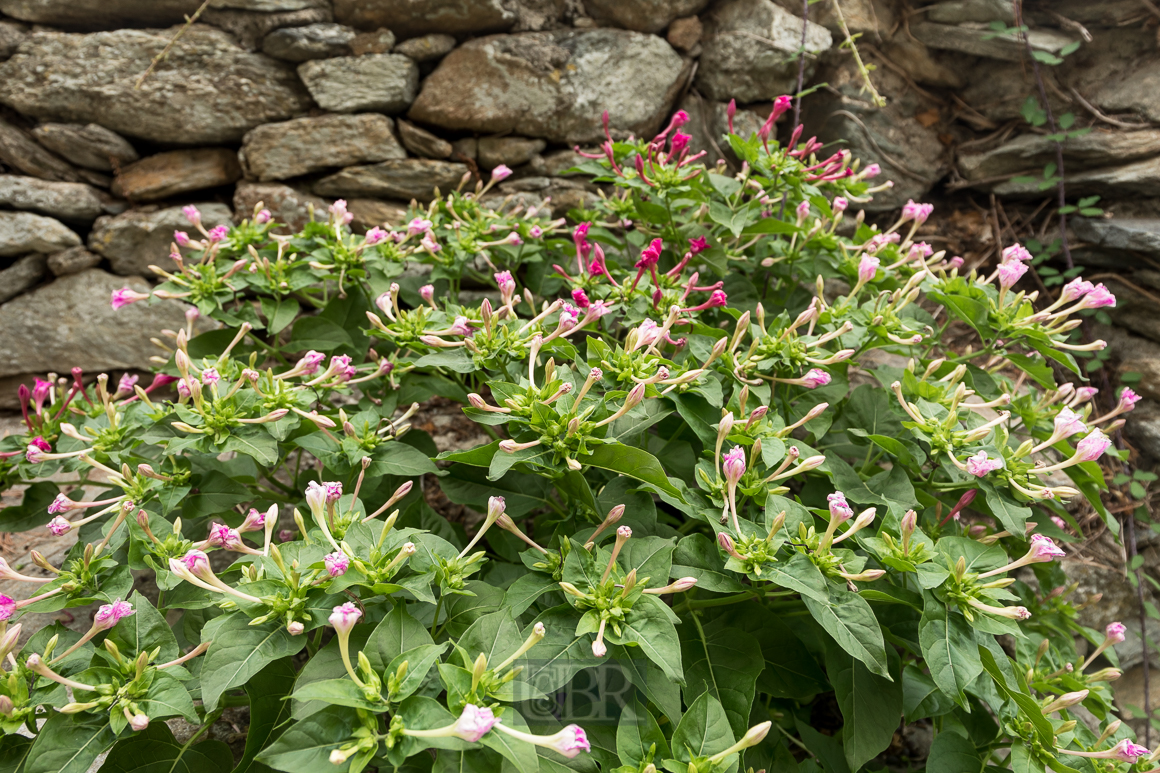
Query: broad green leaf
13,752
32,510
1027,704
397,633
725,663
697,556
239,651
951,753
154,750
269,711
306,745
790,669
633,462
69,743
143,630
950,649
703,731
647,626
637,731
871,706
496,635
561,654
848,618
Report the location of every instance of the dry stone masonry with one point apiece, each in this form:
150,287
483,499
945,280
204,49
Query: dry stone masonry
293,103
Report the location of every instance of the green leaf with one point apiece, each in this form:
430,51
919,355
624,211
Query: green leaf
495,635
154,750
143,630
14,751
69,743
871,706
790,669
32,510
397,633
239,651
402,460
1023,761
279,313
647,625
306,745
950,649
697,556
703,731
636,732
848,618
1038,371
255,443
269,711
1027,704
725,663
318,333
167,697
520,753
951,753
633,462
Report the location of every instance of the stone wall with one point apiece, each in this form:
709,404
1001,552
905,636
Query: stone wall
298,102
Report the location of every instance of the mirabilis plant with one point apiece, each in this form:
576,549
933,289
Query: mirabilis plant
732,462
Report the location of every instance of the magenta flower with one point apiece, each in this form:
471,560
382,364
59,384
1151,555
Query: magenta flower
698,245
1075,289
514,239
1016,252
839,205
182,238
733,465
1093,446
196,562
127,382
1128,399
109,614
336,564
1099,297
535,232
7,607
867,268
418,226
815,378
59,526
427,293
650,255
218,234
571,741
1044,549
375,235
191,214
507,285
210,376
263,217
344,617
310,363
911,211
126,296
840,510
1126,751
1115,633
580,298
501,172
803,211
255,520
979,465
1010,273
474,723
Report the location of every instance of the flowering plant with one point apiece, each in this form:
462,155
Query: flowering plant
731,458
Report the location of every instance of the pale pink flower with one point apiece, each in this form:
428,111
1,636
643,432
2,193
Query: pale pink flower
210,376
109,614
839,508
571,741
218,234
1016,252
1099,297
803,210
344,617
816,378
427,293
501,172
1068,423
310,363
474,723
59,526
263,217
1128,399
979,465
839,205
375,235
1093,446
734,464
1044,549
916,212
1115,633
867,268
418,226
1126,751
1011,272
336,564
126,296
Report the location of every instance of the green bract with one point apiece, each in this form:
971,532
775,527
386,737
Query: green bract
733,469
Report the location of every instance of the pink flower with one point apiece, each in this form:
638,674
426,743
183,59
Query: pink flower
183,389
1016,252
218,234
839,508
196,562
919,250
698,245
127,382
210,376
191,214
108,615
867,268
344,617
182,238
1115,633
1099,297
839,205
375,235
734,465
1128,399
803,210
221,535
336,564
7,607
501,172
1062,524
40,443
568,316
1093,446
651,254
461,326
59,526
1044,549
263,217
418,226
1075,289
1067,423
338,211
571,741
647,333
1010,273
341,367
513,238
679,119
255,520
815,378
979,465
1126,751
430,244
474,723
955,262
873,171
1083,394
580,298
126,296
310,362
916,212
535,232
427,293
678,144
507,285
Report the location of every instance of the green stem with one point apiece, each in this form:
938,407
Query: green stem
435,620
